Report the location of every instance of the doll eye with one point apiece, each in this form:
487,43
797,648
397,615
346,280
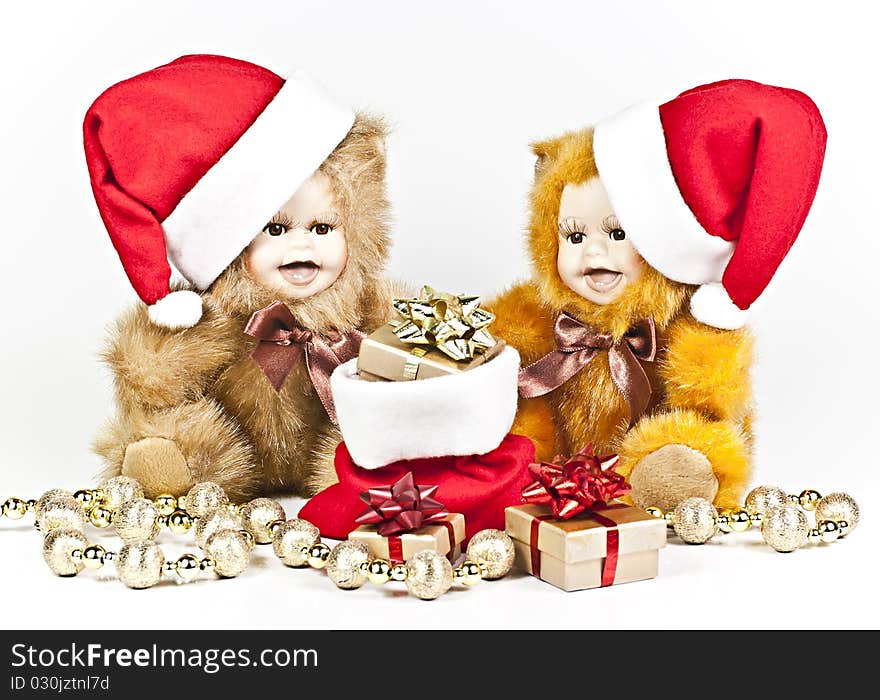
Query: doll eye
611,226
321,229
572,230
275,229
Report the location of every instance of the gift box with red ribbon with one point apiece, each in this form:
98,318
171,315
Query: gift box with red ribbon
443,536
616,544
404,518
572,532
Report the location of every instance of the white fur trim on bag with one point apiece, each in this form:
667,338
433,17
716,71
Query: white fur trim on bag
232,202
181,309
711,305
459,414
631,157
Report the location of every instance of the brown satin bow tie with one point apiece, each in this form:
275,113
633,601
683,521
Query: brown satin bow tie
282,342
577,345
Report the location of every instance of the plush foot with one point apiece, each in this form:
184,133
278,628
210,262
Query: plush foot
667,476
702,448
159,465
170,450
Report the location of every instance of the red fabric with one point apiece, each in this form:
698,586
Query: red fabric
395,549
148,142
612,548
479,487
746,158
535,552
450,534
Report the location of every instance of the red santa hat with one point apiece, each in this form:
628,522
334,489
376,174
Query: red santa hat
713,186
190,160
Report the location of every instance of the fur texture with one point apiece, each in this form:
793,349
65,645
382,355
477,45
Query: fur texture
702,395
198,388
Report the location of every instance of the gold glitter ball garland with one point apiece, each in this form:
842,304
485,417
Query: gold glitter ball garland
781,517
228,533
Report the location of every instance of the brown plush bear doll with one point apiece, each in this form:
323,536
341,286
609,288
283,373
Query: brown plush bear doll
269,198
650,236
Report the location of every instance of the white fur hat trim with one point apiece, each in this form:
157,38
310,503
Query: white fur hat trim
459,414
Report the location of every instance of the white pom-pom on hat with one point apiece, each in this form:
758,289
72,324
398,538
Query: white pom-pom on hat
182,309
711,305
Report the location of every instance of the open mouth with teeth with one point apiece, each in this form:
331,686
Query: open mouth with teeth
601,279
300,273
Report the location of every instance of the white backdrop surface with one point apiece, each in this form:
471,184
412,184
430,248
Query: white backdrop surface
467,87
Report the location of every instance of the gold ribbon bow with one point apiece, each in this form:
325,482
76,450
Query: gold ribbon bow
455,325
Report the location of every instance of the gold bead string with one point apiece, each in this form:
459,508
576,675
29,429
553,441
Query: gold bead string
61,516
186,567
170,510
780,516
130,560
427,575
17,508
230,531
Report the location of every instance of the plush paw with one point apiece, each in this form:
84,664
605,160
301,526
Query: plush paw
534,419
668,475
159,465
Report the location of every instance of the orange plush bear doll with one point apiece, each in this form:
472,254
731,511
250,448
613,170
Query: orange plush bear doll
651,234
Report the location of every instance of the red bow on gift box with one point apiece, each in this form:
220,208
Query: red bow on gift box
401,507
571,486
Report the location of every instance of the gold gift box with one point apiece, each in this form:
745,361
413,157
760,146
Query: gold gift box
384,357
436,536
573,554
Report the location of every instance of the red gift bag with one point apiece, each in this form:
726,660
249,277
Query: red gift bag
479,487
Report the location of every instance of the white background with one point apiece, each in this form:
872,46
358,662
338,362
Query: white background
467,87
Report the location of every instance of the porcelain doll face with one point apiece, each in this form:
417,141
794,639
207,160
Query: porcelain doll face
302,250
595,258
